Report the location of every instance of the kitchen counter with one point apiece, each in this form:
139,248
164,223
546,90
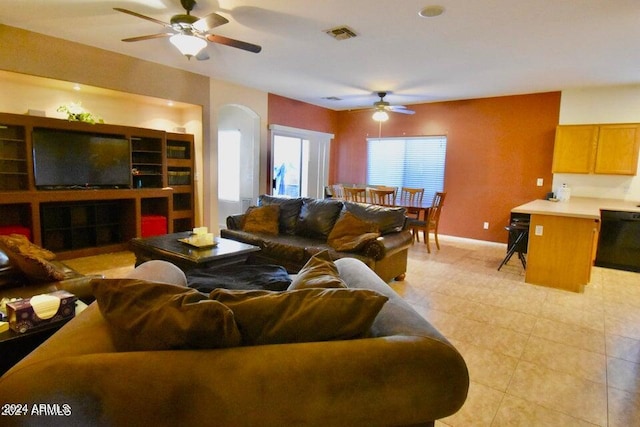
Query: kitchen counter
563,237
577,207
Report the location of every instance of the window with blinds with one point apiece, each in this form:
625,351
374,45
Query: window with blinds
416,162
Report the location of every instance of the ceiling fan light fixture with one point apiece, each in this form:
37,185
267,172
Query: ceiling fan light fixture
380,116
188,44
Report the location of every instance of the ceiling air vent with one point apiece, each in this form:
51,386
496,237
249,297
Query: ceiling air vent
341,33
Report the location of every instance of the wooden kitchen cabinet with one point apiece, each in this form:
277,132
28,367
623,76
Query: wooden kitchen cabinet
601,149
617,151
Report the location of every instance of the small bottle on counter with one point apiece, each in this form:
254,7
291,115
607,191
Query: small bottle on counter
563,193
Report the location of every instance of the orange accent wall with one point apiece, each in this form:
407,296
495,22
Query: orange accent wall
496,150
289,112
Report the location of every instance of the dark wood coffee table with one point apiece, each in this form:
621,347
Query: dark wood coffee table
168,248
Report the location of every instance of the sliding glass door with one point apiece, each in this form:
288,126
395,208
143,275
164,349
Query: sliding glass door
300,162
289,154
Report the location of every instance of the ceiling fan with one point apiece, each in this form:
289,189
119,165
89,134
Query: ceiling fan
190,33
382,106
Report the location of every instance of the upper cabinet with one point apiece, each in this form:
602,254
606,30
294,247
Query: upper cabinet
601,149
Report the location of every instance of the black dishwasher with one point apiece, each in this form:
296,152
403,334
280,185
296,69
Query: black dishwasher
619,241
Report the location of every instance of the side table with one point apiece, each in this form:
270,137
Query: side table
14,345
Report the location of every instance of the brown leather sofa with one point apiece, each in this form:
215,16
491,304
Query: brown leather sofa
404,373
300,237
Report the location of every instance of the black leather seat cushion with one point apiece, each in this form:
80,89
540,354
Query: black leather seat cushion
388,219
241,277
317,217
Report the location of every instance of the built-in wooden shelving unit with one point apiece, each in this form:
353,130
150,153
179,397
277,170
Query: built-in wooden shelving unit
79,222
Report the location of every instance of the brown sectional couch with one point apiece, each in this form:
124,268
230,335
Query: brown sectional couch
304,225
404,373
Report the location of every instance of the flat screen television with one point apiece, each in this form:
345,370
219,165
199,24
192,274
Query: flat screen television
77,160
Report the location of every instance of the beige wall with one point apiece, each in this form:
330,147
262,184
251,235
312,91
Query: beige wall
611,104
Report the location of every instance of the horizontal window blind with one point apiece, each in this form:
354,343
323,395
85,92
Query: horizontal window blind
416,162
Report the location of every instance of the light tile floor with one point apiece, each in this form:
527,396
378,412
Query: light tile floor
536,356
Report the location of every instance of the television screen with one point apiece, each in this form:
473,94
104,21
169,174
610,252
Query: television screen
63,159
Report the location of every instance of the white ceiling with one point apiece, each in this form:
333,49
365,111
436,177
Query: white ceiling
477,48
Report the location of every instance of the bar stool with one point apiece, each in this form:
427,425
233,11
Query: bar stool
518,233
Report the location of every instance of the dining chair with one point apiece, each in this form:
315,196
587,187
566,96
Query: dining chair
355,194
383,196
431,221
337,191
412,197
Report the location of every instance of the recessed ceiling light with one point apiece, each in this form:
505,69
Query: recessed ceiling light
431,11
76,86
170,103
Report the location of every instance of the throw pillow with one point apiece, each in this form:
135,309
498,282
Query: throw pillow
289,211
351,233
317,217
318,272
157,316
262,219
302,315
31,259
20,244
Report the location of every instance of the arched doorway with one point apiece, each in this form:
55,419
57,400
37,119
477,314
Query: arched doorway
238,160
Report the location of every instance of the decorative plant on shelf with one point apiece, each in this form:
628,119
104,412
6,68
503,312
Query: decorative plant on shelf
75,113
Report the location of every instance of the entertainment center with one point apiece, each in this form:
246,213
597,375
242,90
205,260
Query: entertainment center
80,189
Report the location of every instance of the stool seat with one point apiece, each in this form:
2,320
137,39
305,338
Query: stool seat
520,230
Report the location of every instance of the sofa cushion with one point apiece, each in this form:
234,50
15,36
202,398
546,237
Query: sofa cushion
317,217
146,315
350,233
285,247
388,219
32,260
262,219
318,272
289,211
303,315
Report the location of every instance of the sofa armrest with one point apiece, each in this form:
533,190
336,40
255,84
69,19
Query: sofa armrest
234,222
387,245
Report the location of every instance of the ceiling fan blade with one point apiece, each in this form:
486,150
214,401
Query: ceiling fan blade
148,18
202,55
234,43
400,109
210,21
152,36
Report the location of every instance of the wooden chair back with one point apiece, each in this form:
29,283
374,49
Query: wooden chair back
412,197
355,194
337,191
435,210
383,196
430,223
